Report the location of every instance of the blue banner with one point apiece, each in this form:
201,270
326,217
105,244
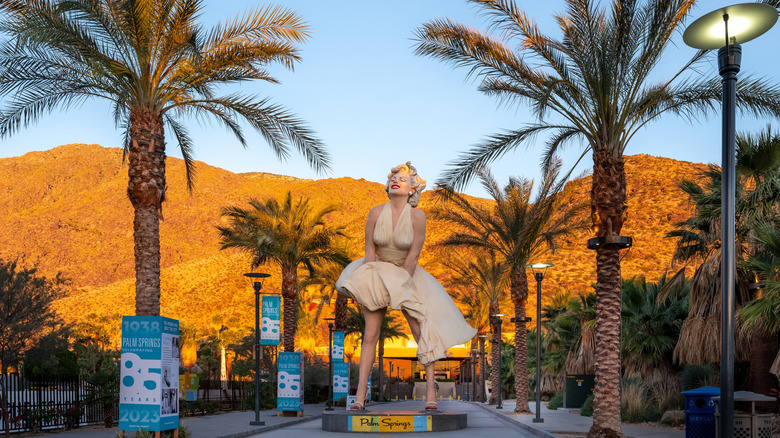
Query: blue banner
368,388
340,380
289,387
272,312
149,385
338,346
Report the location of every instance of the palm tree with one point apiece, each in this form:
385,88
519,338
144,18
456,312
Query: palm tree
601,81
560,332
699,245
761,316
324,282
518,230
486,276
391,329
474,285
569,334
155,64
650,329
289,234
307,321
758,197
758,160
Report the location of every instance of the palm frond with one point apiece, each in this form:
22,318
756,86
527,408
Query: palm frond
462,170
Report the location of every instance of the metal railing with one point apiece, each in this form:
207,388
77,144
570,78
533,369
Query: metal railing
50,403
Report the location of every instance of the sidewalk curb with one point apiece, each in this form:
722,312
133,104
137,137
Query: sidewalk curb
520,424
272,427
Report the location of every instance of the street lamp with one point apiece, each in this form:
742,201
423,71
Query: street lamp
538,270
330,363
498,365
391,380
473,396
257,284
725,29
482,367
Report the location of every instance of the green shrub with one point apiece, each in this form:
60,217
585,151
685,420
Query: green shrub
35,418
667,395
141,433
341,402
587,408
184,432
198,407
636,405
696,376
315,393
267,395
556,401
673,418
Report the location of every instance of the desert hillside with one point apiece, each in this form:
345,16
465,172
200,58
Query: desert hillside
65,210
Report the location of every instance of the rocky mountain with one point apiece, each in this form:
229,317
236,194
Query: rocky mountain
66,210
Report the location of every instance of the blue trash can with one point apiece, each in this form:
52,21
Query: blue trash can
700,412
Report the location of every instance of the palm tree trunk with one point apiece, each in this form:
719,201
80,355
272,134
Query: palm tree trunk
608,209
519,288
495,361
606,401
290,297
340,313
146,190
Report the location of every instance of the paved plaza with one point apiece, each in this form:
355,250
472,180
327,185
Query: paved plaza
484,421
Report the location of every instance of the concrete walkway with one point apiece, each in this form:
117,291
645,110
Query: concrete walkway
483,420
563,423
481,424
234,424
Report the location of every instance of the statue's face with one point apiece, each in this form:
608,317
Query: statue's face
400,183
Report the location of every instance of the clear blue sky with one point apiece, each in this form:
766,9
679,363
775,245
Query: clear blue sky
375,104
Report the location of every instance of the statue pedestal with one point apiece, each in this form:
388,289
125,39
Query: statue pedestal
392,421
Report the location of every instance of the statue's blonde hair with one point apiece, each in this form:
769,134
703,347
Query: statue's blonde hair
418,184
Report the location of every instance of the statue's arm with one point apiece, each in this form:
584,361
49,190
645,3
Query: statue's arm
370,252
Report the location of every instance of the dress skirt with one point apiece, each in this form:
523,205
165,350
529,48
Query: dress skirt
377,285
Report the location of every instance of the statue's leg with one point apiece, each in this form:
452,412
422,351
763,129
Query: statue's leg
430,382
368,349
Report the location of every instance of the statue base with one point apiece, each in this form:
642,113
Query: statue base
392,421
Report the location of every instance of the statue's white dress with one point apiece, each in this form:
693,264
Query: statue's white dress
386,283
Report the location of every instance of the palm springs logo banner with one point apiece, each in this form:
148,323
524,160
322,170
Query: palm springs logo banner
148,390
272,312
340,380
289,385
337,353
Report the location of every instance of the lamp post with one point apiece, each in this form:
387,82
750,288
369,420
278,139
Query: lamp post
473,396
482,367
725,29
497,344
257,285
391,380
330,363
538,270
398,382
